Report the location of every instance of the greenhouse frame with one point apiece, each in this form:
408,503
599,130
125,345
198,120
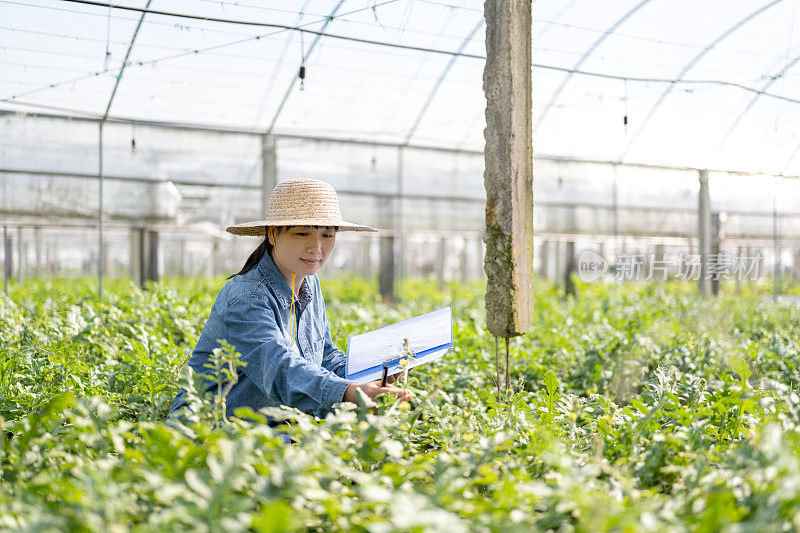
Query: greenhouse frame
166,123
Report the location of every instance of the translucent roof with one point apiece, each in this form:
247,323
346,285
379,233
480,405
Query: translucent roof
710,84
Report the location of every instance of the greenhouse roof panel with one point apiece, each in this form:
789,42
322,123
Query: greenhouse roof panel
700,84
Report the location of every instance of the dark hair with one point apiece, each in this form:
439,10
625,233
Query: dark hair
264,248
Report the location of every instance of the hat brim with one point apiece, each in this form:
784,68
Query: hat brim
259,227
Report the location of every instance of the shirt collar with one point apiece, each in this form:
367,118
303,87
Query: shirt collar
276,280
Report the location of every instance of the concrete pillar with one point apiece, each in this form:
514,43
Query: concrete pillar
544,259
760,259
796,269
508,174
387,258
269,169
660,254
106,256
182,258
738,276
216,267
48,260
441,261
464,266
151,264
776,250
7,259
569,285
557,264
715,251
37,243
137,256
365,256
386,272
21,262
704,233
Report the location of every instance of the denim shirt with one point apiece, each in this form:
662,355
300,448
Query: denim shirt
252,313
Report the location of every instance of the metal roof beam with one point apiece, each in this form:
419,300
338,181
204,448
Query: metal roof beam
125,62
689,66
583,59
439,82
755,98
294,78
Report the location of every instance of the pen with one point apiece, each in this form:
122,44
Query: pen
385,375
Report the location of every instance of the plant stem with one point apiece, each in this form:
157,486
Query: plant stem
497,366
508,367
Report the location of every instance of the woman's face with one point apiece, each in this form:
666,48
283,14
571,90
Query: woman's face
303,249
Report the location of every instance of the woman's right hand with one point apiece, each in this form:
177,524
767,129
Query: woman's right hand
373,389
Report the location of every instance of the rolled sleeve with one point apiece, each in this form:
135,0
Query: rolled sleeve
274,363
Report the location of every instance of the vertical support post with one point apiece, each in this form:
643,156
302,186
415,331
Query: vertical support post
704,233
660,254
739,260
544,260
399,256
100,212
441,261
215,247
48,260
37,243
386,273
6,259
615,210
366,256
796,270
464,263
138,256
760,260
182,258
776,279
714,258
508,174
151,266
269,168
569,285
106,258
20,256
557,266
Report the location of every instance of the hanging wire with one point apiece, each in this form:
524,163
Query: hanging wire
379,43
280,29
625,117
302,73
108,40
364,23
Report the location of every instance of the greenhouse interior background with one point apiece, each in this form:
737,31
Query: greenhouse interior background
132,135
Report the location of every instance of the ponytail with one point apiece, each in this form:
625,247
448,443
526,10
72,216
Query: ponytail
264,248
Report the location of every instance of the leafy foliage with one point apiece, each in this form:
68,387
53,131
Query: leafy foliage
635,407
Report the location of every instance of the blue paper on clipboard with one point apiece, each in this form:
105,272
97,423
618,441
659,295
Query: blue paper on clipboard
429,337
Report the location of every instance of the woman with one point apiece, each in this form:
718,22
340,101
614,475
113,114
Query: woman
273,312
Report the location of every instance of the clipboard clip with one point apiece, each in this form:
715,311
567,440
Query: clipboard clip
385,374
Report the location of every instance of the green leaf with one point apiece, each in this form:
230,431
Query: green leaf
551,383
274,517
739,365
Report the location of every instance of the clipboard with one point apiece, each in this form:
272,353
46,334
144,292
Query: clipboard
429,337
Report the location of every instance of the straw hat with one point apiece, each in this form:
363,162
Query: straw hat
300,202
